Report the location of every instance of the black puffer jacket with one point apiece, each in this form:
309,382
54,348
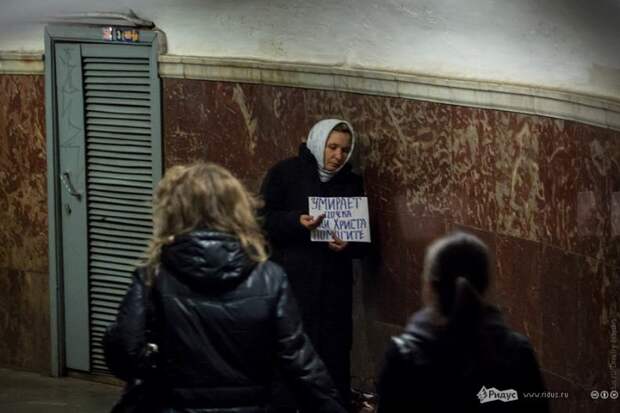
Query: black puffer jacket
432,369
222,325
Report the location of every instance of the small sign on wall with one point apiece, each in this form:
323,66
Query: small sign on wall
346,217
119,34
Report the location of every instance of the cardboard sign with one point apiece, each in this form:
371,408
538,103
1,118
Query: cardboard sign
347,217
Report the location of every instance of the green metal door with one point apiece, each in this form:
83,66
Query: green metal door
109,159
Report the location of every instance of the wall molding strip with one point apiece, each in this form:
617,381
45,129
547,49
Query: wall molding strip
21,63
603,111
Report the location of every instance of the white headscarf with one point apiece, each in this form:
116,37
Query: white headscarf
317,138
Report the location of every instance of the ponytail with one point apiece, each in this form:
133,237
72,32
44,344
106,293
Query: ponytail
457,269
467,305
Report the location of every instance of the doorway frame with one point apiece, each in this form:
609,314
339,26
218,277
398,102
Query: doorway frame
74,34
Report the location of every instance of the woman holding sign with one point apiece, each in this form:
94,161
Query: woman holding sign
320,273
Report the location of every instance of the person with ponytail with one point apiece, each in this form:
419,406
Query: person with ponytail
222,317
457,347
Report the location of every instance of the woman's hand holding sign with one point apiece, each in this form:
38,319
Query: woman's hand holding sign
337,244
311,222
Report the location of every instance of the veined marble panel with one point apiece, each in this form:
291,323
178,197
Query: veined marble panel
541,192
474,149
23,177
24,283
24,320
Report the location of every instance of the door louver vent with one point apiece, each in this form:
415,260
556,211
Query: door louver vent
118,111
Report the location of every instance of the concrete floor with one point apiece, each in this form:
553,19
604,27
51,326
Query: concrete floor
22,392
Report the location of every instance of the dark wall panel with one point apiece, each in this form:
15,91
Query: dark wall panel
24,291
543,193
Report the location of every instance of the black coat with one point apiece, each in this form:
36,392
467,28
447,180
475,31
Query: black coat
223,324
429,369
321,279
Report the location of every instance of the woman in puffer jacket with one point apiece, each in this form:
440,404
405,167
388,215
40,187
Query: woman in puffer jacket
221,314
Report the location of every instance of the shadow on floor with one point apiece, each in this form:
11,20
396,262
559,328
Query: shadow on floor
23,392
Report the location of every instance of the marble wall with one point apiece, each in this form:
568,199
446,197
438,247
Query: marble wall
24,291
543,193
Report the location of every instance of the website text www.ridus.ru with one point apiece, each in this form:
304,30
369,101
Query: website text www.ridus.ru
546,395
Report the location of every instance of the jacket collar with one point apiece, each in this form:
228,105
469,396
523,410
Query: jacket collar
207,258
424,333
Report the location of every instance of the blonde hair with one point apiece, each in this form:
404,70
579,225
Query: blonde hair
204,195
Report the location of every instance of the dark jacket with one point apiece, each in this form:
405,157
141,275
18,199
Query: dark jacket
222,324
432,369
321,279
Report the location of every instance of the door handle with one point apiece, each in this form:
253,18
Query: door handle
66,180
